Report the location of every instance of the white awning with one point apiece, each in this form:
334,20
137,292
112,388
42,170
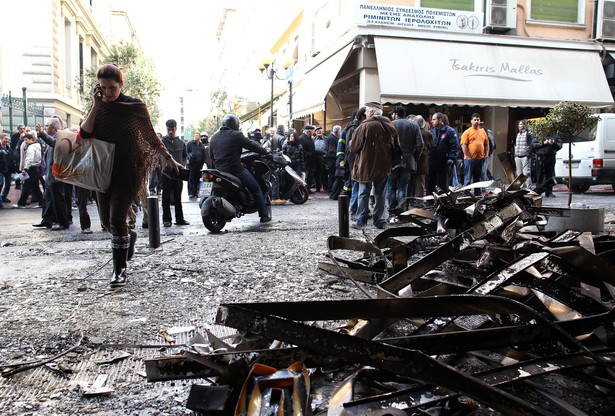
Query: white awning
431,72
309,96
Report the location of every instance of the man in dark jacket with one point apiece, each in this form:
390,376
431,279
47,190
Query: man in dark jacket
446,148
278,139
6,168
177,149
196,158
308,153
350,186
331,156
15,145
404,161
372,143
545,168
320,150
21,129
226,147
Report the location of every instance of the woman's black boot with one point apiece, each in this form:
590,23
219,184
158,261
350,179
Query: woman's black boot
119,246
131,247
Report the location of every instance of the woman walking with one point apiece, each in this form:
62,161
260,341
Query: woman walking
124,121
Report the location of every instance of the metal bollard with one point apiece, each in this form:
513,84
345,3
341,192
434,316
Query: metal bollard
153,222
342,207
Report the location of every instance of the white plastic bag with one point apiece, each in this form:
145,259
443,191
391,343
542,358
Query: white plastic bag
87,163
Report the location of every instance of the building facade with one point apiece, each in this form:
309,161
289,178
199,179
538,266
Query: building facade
505,59
45,59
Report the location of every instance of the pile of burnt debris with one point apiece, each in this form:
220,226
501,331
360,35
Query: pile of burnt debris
471,308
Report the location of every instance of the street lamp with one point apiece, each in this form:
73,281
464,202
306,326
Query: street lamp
289,65
266,67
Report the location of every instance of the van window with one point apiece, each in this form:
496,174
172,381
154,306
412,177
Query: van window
587,135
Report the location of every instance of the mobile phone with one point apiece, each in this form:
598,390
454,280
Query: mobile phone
97,90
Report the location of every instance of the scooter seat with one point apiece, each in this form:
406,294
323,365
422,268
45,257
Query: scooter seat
231,177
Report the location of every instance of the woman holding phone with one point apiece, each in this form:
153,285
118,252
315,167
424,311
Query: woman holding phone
123,120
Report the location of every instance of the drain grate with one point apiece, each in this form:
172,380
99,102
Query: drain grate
45,390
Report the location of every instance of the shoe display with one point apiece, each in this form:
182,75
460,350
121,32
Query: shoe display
42,224
19,206
59,227
166,224
380,226
8,201
182,222
86,231
356,226
265,219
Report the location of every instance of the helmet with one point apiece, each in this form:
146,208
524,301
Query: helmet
230,121
256,133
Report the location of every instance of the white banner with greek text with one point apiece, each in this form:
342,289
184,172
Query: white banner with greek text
419,18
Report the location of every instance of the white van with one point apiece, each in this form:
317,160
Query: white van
593,156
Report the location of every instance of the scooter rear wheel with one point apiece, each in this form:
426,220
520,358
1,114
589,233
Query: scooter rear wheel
300,196
214,222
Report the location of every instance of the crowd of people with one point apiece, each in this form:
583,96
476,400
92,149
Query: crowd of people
378,160
26,159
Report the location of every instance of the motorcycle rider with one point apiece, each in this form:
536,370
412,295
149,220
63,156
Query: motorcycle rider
226,147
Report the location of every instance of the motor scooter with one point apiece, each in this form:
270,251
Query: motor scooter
291,185
224,197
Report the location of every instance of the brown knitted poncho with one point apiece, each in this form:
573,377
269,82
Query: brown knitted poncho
128,126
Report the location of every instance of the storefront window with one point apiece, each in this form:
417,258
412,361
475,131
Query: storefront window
565,11
465,5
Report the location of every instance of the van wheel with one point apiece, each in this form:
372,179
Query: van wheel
580,188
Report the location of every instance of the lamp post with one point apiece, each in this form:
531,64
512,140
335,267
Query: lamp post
266,67
289,64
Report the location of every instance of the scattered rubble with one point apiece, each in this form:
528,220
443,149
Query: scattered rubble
473,307
465,306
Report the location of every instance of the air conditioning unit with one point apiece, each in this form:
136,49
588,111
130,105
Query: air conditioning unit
605,22
501,14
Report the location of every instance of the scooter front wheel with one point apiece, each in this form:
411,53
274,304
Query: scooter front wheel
300,196
213,221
